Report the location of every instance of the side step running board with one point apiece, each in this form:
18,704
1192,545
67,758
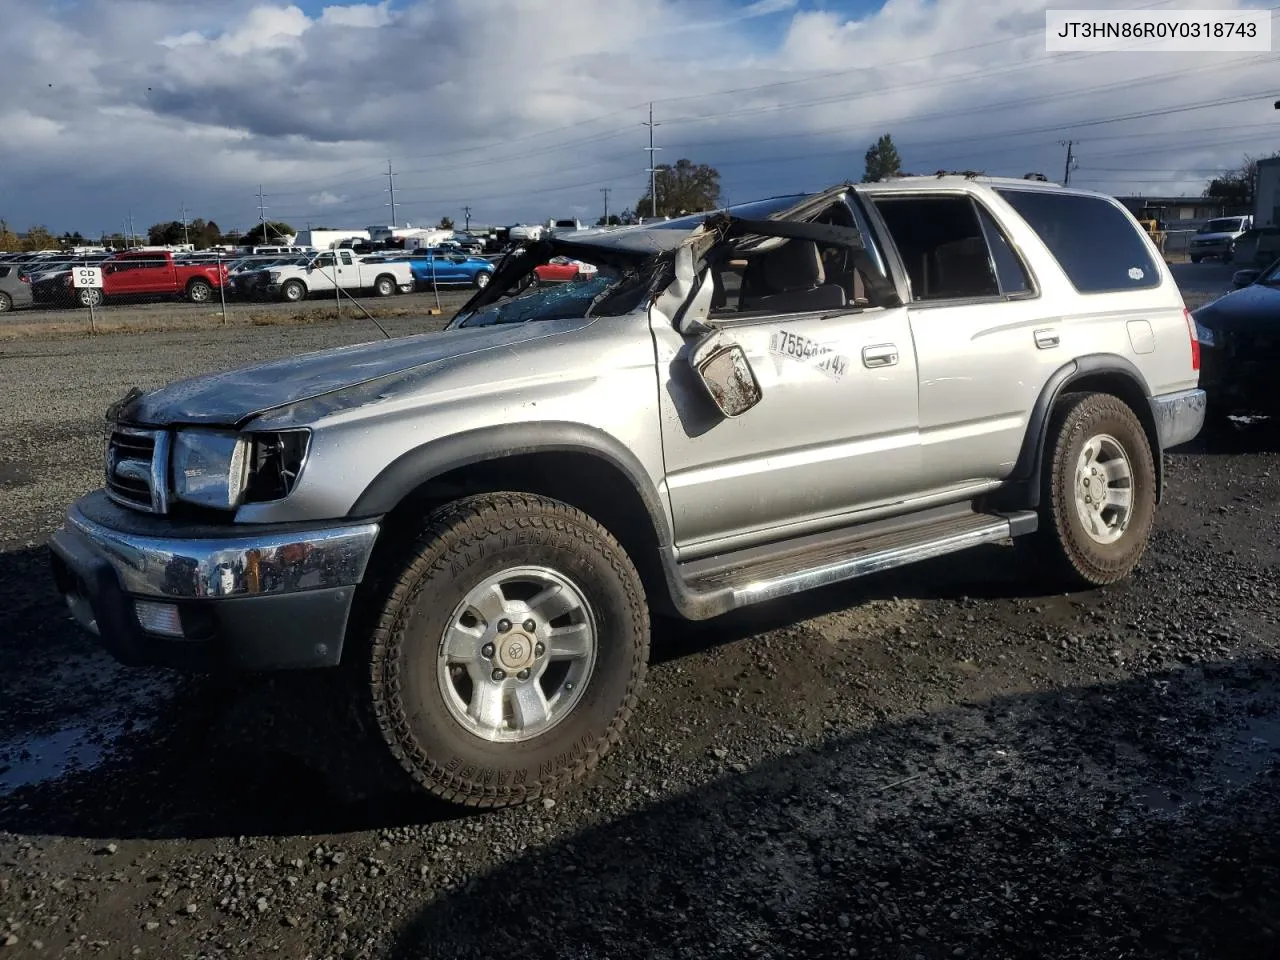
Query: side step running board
719,584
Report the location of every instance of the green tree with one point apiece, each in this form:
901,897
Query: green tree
882,160
277,232
614,220
446,223
683,187
1235,187
38,238
161,234
9,242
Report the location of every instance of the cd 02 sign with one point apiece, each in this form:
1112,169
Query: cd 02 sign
86,277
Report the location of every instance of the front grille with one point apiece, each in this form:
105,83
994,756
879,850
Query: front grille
136,466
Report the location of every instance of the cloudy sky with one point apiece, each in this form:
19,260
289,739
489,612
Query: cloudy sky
526,109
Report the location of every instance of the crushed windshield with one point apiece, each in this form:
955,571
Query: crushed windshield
553,302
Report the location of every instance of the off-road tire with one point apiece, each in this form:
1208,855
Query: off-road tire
6,303
199,291
384,286
293,291
457,547
1061,546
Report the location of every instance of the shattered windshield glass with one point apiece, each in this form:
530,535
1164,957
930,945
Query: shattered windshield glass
552,302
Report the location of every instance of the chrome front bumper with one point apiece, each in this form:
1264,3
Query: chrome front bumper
1179,416
277,599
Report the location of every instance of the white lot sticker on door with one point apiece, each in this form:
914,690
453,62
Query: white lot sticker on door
793,346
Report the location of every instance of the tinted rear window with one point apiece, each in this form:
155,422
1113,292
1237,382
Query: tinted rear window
1097,246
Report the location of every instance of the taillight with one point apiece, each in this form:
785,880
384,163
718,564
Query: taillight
1195,339
24,277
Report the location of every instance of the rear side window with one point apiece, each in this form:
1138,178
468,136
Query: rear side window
1096,245
4,271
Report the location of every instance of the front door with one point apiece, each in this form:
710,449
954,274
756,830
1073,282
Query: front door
836,430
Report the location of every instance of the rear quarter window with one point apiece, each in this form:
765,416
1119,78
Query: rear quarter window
1094,242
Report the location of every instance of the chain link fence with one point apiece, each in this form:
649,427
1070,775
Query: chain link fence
150,289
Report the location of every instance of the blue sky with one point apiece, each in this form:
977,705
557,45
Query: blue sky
528,109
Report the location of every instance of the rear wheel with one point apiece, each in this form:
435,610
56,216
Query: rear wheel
199,291
384,286
482,279
510,650
89,297
1099,490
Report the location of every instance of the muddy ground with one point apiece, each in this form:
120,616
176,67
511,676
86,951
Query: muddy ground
947,761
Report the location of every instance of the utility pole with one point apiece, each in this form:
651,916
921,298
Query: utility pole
605,191
262,214
466,217
653,171
391,186
128,244
1066,175
186,240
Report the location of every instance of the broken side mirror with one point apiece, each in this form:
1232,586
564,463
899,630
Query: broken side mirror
724,370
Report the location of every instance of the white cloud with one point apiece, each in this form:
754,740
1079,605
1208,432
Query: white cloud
326,199
134,104
360,15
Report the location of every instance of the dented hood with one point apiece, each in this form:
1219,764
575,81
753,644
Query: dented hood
236,396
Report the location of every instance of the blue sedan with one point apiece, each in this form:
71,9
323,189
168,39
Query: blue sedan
447,269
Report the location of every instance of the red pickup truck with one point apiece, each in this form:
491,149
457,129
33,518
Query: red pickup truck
147,273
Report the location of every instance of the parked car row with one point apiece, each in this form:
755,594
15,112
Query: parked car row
288,274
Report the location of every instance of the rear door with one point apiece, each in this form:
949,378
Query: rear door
984,345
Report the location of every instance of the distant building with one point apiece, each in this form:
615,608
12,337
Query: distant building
1266,194
1174,209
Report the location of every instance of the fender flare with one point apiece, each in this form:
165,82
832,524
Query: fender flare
1027,470
417,466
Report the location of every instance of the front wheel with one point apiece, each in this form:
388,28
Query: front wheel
1099,491
6,302
510,651
293,291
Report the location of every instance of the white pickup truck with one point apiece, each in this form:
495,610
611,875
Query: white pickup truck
341,268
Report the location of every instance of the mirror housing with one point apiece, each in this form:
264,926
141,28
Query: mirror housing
1243,278
725,372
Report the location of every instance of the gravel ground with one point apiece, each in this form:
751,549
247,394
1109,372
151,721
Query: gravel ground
941,762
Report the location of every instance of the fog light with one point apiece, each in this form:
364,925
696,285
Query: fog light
159,618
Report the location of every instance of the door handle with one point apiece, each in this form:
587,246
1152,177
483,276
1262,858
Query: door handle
880,355
1046,339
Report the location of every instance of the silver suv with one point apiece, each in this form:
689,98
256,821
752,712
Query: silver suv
737,406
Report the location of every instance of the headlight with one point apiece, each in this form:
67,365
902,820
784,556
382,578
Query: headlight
273,276
222,469
210,468
1204,335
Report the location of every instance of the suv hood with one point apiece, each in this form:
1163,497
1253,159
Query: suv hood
236,396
